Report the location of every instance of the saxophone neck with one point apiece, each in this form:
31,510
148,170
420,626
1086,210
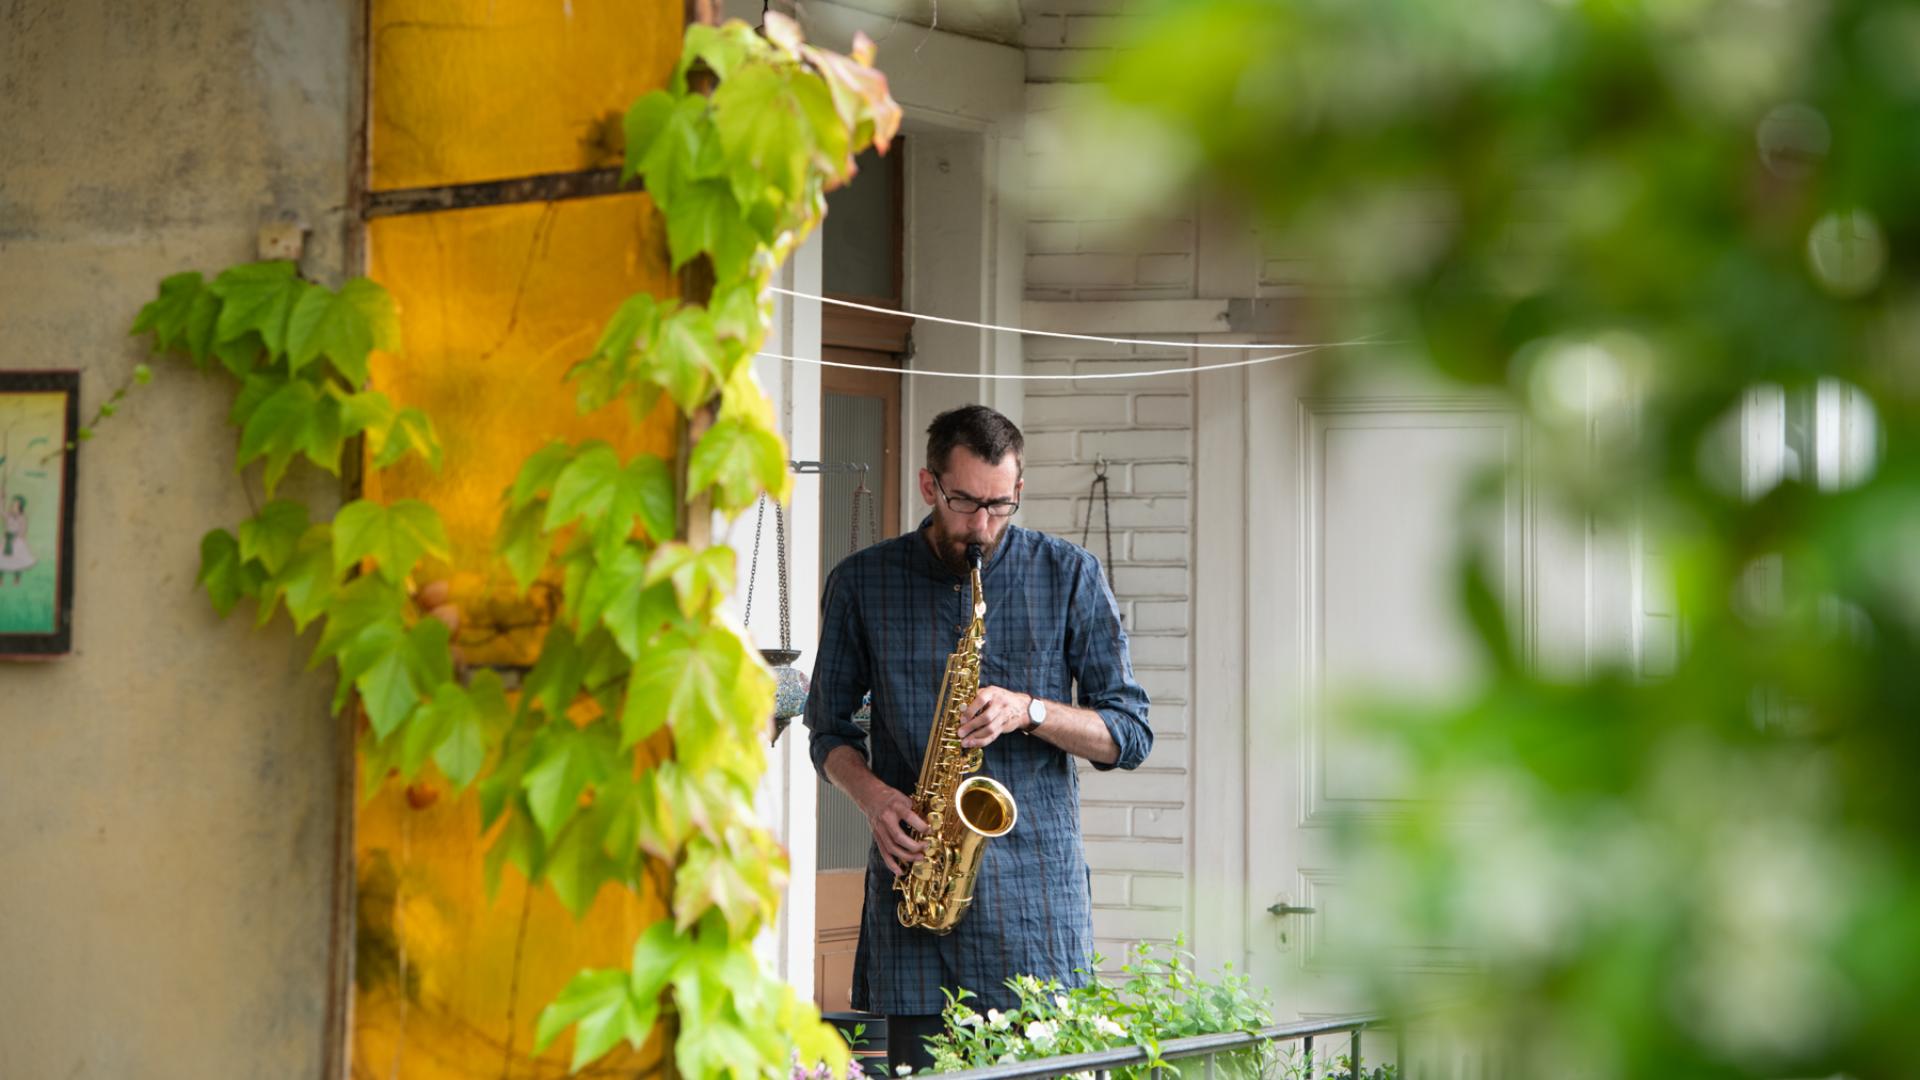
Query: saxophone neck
978,630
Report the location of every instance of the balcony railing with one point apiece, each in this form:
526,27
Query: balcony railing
1101,1063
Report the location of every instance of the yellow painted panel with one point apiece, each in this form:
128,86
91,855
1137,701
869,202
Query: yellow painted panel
466,90
495,305
449,983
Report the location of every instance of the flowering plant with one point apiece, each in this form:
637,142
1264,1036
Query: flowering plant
1156,999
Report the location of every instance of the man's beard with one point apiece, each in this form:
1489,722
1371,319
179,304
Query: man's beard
951,548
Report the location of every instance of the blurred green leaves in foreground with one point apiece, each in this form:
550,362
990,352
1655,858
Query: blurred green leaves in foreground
1683,239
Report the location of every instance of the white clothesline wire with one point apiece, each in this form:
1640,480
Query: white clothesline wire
1057,333
1302,350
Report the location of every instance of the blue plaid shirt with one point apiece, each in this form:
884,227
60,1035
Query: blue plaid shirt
891,615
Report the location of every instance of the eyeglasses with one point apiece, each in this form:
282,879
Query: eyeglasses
996,507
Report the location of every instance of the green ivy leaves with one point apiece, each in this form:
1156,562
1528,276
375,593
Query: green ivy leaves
265,309
691,680
344,327
256,298
779,129
609,498
226,576
564,761
274,535
268,327
183,316
735,1021
744,169
738,459
394,537
738,178
452,729
294,418
391,433
606,1011
394,662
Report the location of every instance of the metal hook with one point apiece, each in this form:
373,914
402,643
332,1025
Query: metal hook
1100,467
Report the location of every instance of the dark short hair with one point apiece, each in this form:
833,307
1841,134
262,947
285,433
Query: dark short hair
988,434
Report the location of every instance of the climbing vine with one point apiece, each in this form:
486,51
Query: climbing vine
630,754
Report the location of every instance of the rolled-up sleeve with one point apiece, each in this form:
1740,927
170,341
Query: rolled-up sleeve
1097,656
841,673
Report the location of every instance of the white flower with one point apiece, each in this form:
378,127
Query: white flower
903,1070
971,1019
1008,1058
1040,1031
1105,1026
998,1019
1060,1002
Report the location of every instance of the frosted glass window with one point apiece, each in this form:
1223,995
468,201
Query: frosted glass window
861,233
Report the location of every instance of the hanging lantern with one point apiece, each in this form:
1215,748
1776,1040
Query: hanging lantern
790,686
790,683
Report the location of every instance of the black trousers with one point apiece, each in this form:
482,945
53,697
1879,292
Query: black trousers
906,1041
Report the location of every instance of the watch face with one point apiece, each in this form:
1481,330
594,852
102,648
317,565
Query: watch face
1036,712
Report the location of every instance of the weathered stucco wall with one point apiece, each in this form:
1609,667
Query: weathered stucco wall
168,791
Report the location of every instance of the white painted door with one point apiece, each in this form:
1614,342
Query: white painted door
1353,530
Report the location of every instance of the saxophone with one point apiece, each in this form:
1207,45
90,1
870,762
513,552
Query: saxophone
962,812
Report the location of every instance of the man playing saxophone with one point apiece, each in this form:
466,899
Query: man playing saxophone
892,616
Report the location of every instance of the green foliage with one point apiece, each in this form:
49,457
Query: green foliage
395,537
738,178
1630,222
632,754
1297,1064
267,327
1156,1000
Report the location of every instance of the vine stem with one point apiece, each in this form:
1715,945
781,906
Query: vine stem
140,375
695,516
513,987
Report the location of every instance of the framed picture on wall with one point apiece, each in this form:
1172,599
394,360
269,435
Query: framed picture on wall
39,416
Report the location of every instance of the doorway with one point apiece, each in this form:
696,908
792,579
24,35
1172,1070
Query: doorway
860,424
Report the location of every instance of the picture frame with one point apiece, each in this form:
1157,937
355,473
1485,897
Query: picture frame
39,427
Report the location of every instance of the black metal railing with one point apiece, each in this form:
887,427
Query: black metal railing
1099,1063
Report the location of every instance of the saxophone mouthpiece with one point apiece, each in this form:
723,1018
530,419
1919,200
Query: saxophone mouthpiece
975,556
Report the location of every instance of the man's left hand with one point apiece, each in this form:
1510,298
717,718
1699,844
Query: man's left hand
992,713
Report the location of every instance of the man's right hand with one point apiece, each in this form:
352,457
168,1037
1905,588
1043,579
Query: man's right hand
891,815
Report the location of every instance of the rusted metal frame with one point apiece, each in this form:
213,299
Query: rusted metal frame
538,188
336,1054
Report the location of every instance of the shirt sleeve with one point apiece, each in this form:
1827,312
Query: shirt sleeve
1097,656
841,674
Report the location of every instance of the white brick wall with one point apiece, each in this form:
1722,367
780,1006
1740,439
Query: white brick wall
1136,823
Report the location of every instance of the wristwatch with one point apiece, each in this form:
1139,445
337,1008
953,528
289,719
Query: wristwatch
1036,713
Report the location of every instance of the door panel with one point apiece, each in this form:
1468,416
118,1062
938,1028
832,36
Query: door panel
1381,485
1353,527
837,932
